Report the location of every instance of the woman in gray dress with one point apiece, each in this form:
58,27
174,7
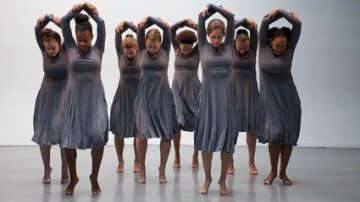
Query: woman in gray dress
279,116
122,116
85,118
154,104
246,88
186,84
48,100
217,121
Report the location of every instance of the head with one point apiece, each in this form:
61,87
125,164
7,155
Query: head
279,38
242,41
186,40
52,41
216,32
129,46
83,31
153,41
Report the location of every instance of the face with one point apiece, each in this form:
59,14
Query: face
279,45
52,47
152,46
83,40
242,46
216,37
130,52
186,49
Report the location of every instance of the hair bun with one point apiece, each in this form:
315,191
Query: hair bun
80,18
129,35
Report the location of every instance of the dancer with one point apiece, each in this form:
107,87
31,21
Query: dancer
48,100
122,116
186,84
246,88
85,122
154,104
217,121
278,121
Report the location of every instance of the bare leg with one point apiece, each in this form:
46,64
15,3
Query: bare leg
207,161
195,160
45,156
274,152
231,169
136,160
64,167
285,157
71,159
165,146
141,147
119,146
251,144
225,161
176,140
96,155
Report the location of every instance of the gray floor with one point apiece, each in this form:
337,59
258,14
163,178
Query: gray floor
319,174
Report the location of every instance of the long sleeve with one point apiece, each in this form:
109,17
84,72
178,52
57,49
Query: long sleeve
253,33
201,31
173,30
38,28
66,29
101,32
141,38
118,37
296,27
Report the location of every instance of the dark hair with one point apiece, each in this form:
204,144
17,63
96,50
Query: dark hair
82,23
279,32
186,37
242,31
215,24
48,34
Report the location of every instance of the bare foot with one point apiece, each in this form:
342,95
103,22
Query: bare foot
162,176
95,187
253,169
120,168
285,179
64,176
47,178
142,175
195,162
176,163
205,187
71,186
231,169
269,179
223,188
136,167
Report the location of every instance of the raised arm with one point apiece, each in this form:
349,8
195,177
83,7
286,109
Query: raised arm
101,31
66,29
201,30
141,34
173,30
166,44
252,27
40,25
293,19
230,31
119,30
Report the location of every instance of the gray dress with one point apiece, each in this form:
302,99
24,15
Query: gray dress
186,84
154,104
85,120
279,116
217,121
122,114
48,100
246,88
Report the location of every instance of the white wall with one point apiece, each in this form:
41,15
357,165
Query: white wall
325,67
